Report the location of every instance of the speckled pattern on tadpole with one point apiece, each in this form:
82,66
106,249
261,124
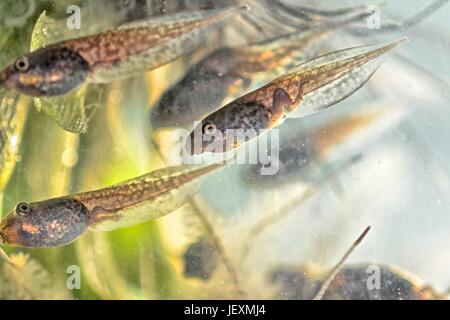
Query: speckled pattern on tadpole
228,72
312,86
62,220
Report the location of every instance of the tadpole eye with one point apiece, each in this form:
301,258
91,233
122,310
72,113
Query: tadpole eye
209,128
22,64
23,208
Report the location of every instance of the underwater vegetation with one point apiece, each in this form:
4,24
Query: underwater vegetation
224,149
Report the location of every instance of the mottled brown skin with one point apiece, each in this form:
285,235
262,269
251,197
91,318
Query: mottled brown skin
61,67
241,116
103,204
315,77
113,46
266,107
60,221
207,84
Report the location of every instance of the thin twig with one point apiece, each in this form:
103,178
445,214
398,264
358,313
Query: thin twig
339,265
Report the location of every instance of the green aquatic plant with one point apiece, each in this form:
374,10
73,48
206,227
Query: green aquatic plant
24,278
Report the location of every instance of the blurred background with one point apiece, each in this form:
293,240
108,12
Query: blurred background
377,158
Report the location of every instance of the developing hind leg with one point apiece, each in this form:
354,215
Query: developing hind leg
282,101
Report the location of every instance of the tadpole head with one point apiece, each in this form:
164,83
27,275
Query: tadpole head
228,128
45,72
49,223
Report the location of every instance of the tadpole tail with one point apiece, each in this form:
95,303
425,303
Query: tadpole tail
7,259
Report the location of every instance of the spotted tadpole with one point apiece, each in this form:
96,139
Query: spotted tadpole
312,86
118,53
62,220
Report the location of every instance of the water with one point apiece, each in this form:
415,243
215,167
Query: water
390,173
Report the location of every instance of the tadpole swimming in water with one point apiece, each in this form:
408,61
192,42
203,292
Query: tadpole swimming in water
312,86
118,53
62,220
